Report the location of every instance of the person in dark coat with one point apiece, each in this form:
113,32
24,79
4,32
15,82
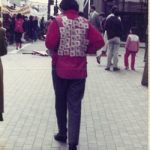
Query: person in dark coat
35,28
31,28
42,28
3,47
26,28
12,31
113,27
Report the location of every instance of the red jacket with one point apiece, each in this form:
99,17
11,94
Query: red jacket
71,66
19,25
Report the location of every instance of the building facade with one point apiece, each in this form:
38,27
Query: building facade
132,13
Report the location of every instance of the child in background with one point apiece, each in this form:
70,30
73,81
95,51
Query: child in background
132,47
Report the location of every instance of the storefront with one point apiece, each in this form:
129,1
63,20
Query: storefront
134,13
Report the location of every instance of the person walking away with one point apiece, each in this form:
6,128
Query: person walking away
31,29
113,11
26,28
7,25
98,21
42,28
94,18
35,28
18,30
72,38
12,31
132,47
114,32
103,52
3,51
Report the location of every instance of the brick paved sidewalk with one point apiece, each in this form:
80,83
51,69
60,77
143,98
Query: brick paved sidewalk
114,114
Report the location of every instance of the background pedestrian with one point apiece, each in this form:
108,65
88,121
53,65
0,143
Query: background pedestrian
18,30
94,18
3,51
132,47
114,32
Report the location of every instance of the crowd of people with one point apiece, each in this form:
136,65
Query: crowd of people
111,27
21,28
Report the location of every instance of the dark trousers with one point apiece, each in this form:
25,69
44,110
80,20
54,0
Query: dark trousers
18,37
68,94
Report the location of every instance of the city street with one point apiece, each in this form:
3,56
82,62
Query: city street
114,108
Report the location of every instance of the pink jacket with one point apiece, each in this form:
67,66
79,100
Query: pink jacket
19,25
69,59
132,43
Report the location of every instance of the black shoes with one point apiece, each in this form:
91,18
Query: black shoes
98,59
72,147
116,69
108,69
60,138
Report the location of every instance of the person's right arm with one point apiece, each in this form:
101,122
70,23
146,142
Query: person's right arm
52,36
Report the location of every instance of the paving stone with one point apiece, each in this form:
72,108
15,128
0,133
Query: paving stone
114,108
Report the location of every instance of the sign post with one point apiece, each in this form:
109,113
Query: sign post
48,9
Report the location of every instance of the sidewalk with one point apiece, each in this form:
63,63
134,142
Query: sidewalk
114,110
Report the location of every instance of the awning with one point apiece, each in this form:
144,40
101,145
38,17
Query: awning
24,10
